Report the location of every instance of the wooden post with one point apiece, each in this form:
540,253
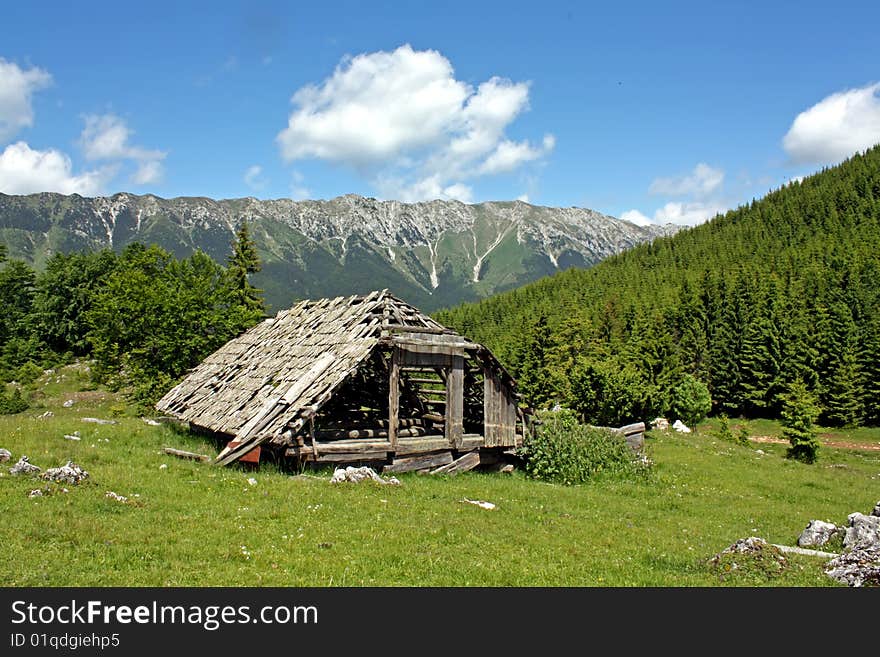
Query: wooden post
455,401
393,396
312,435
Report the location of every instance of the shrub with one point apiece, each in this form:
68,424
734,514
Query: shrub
28,373
11,403
567,452
742,436
691,400
724,432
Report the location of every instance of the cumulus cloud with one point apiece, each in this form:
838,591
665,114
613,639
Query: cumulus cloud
509,155
405,122
702,181
24,170
106,137
428,188
836,127
636,217
17,85
688,213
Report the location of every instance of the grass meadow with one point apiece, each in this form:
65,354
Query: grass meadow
187,523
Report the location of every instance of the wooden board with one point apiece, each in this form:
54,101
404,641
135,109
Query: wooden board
499,412
422,462
407,446
455,402
462,464
393,396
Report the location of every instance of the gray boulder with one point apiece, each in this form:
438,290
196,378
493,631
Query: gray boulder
24,467
863,532
69,473
5,455
876,511
857,568
818,532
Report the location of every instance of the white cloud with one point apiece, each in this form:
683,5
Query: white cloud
16,88
836,127
24,170
523,197
253,179
702,181
106,137
636,217
405,122
148,172
689,213
509,155
428,188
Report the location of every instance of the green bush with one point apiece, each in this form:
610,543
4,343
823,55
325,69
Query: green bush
724,432
564,451
691,400
28,373
11,403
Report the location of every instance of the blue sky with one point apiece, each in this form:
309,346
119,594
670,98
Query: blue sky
651,111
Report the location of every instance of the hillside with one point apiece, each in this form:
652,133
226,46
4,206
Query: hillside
433,254
186,523
784,288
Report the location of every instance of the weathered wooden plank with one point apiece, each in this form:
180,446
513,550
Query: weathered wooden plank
393,396
471,441
629,429
422,462
419,445
353,457
462,464
192,456
355,446
455,401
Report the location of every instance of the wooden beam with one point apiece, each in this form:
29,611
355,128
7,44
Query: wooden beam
393,396
471,441
421,462
462,464
409,446
355,446
353,457
629,429
181,454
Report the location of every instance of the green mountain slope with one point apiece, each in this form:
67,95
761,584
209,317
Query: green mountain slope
784,288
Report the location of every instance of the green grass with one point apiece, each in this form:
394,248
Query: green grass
191,524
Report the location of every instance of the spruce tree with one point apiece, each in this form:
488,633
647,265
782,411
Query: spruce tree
244,260
799,412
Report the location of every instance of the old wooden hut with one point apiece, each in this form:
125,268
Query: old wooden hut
363,379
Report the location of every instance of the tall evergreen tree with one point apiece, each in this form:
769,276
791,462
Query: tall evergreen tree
243,261
799,413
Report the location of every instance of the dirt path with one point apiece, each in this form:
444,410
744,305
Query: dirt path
839,444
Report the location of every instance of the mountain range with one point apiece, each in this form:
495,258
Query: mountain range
434,254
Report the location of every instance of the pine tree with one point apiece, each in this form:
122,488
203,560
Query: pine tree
870,383
761,357
799,412
245,260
